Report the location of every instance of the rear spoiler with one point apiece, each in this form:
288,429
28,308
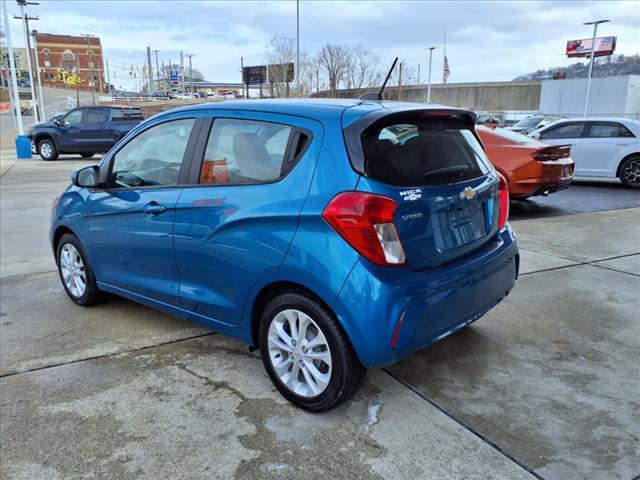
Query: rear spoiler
353,132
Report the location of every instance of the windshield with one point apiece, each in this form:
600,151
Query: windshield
529,122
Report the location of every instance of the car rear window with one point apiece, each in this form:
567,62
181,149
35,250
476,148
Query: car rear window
515,137
414,149
126,114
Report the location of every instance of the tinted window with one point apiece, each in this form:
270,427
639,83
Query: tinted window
608,130
244,152
515,137
422,152
529,122
567,130
126,114
74,117
95,115
153,157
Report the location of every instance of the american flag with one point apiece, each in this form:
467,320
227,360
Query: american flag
445,71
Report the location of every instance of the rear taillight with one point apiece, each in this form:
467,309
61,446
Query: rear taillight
503,201
365,221
554,152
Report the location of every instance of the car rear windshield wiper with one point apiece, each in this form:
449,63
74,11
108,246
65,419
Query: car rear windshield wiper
453,171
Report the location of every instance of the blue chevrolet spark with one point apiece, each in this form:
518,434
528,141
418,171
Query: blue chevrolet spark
332,235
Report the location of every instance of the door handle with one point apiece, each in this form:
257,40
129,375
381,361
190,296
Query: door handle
154,208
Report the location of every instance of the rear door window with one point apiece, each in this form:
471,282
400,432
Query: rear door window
608,130
95,115
422,151
247,152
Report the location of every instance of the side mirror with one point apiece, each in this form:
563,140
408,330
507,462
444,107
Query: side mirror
535,135
87,177
56,121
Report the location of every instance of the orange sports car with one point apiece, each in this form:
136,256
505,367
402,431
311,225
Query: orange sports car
530,166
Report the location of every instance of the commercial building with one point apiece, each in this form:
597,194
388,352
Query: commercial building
62,56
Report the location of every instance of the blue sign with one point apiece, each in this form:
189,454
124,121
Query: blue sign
175,77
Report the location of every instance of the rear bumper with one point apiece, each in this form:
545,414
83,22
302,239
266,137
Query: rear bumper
550,177
420,308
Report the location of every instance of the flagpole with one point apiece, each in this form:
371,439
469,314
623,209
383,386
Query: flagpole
444,56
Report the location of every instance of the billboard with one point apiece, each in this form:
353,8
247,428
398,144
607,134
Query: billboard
256,74
582,48
280,72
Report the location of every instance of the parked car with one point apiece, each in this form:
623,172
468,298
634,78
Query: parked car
299,228
491,119
24,83
530,167
83,130
187,95
532,123
601,147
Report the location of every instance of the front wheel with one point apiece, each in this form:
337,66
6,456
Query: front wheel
47,150
630,172
75,272
307,355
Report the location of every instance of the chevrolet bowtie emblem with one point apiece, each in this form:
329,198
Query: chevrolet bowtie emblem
468,193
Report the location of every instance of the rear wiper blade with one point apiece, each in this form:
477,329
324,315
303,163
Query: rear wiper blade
448,171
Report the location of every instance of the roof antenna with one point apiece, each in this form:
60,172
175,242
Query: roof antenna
379,95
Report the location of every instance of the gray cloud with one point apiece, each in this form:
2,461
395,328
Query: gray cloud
485,40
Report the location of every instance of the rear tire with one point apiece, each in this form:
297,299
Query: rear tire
87,155
630,172
316,379
75,271
47,150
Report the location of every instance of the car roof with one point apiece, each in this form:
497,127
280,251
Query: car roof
318,108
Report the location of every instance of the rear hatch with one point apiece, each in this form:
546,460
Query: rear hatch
432,165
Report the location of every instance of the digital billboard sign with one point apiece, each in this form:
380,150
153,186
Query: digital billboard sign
582,48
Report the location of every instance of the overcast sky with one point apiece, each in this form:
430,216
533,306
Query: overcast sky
485,40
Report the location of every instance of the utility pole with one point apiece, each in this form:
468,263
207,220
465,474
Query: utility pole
150,70
25,25
15,105
431,49
191,71
90,65
182,70
593,50
38,77
244,90
157,69
77,81
418,74
108,79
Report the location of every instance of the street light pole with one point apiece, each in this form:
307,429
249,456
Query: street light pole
431,49
593,48
39,78
90,65
298,46
27,41
15,105
191,72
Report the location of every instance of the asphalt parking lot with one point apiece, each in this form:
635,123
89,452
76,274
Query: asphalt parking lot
545,386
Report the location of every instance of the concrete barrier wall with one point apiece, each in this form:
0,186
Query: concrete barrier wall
475,96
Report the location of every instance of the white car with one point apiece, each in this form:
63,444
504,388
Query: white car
601,147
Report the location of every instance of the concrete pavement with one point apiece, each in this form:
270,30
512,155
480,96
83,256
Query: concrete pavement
544,386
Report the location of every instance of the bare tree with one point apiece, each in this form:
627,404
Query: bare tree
333,60
280,51
362,68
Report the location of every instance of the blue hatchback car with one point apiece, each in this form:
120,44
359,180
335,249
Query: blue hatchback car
333,235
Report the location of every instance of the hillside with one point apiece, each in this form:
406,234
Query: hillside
603,67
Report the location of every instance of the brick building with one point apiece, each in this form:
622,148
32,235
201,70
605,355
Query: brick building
64,54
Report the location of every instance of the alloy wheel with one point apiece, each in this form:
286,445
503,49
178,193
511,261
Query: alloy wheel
73,271
631,171
299,353
46,150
